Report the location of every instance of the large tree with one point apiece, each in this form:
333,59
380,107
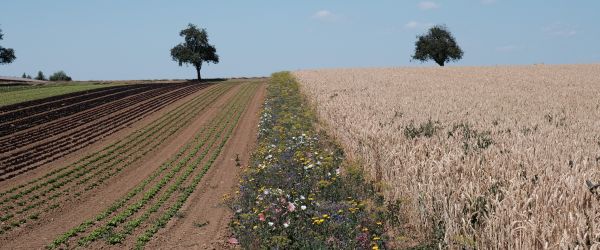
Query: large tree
195,49
6,55
438,45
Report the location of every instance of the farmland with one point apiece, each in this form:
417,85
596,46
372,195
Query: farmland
114,165
22,93
477,157
42,131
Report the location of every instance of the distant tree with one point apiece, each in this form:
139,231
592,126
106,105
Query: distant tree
195,50
60,76
6,55
24,75
437,45
28,77
40,76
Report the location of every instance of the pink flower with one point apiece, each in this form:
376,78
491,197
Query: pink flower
291,207
261,217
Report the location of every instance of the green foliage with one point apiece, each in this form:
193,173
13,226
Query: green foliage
195,50
60,76
427,129
25,76
40,76
471,138
7,55
438,45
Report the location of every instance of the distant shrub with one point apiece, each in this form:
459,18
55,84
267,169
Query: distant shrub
60,76
40,76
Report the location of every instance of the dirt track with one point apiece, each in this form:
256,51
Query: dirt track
219,180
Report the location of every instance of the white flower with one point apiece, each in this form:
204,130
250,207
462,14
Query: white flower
287,224
266,191
303,207
271,223
309,166
302,197
337,171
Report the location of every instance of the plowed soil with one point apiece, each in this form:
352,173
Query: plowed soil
202,205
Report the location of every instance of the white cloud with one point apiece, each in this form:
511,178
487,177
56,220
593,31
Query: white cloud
322,14
559,29
427,5
411,25
416,24
488,1
325,15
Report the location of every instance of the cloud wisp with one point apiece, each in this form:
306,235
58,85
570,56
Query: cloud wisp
428,5
417,25
560,30
325,15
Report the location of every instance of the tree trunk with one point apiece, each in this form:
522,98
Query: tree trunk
198,72
440,62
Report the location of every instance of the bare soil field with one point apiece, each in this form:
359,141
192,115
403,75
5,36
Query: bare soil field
500,157
120,193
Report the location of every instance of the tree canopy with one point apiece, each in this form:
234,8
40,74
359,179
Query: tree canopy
40,76
195,49
438,45
60,76
6,55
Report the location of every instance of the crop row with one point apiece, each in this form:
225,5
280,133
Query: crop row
64,107
16,125
91,171
139,138
53,99
55,127
152,199
37,155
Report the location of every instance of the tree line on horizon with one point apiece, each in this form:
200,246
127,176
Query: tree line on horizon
438,44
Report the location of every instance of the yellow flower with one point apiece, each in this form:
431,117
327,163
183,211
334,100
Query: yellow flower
254,227
375,247
365,229
318,221
379,223
376,238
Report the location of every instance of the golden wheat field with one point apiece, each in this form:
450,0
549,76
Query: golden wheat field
479,157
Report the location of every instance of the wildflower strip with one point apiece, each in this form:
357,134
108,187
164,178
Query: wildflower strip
298,192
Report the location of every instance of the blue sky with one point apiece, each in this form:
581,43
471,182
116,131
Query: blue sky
113,39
